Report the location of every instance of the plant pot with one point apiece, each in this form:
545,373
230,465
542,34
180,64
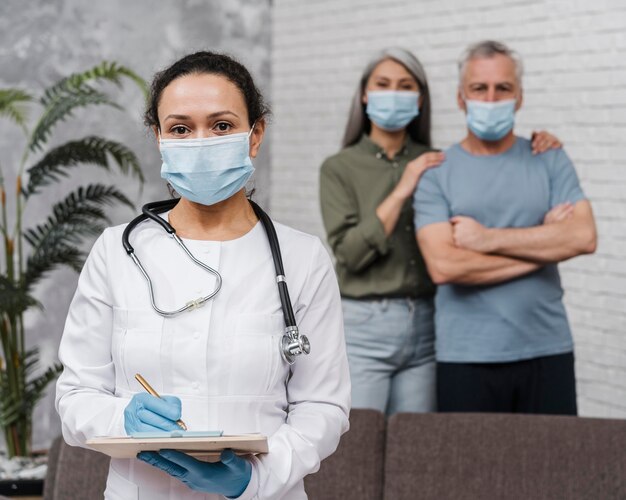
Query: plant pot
23,476
21,487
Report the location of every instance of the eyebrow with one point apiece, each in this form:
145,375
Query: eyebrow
212,115
403,79
504,82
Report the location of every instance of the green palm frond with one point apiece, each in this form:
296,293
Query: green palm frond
61,237
13,298
106,70
15,407
11,407
79,214
48,259
35,387
74,91
89,150
61,107
12,105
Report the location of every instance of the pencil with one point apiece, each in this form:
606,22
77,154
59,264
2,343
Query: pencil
144,383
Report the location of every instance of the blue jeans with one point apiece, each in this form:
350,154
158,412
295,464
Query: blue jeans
391,351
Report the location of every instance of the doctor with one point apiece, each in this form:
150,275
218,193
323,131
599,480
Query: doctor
218,366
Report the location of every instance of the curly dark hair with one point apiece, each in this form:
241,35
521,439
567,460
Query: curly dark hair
210,63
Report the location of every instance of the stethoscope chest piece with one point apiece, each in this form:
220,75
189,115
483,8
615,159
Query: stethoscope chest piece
293,344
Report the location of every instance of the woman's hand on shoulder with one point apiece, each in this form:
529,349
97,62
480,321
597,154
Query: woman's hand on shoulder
542,141
414,170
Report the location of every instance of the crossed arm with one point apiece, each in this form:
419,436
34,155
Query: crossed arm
463,251
448,263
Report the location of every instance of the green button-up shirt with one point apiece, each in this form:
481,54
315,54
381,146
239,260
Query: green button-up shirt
370,264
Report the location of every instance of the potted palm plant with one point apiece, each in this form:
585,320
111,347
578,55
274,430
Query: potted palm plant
32,253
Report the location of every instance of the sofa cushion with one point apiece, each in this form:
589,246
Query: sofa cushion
484,456
355,470
76,473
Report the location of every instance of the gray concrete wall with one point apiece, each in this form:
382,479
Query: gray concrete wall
44,40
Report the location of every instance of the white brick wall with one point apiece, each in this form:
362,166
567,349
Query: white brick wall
575,86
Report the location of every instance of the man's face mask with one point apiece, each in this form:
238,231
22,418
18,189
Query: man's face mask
490,121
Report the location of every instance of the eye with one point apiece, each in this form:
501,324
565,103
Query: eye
478,88
223,127
179,130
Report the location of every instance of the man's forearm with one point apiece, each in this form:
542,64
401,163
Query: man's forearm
547,243
466,267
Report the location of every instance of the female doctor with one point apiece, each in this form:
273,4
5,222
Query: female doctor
217,365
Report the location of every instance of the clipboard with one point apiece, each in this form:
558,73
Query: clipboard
207,448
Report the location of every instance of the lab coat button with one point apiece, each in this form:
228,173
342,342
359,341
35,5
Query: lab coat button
196,335
195,385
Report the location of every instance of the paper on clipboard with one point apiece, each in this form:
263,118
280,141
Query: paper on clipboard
210,447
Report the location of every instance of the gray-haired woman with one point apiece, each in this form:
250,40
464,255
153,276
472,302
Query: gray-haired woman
366,192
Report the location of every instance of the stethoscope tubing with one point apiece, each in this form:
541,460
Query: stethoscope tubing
290,319
150,211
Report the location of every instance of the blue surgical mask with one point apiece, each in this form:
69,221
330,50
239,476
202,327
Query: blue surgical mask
392,110
490,121
207,170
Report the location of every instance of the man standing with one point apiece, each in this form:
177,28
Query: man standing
493,221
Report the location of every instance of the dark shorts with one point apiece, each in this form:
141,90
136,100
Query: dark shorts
544,385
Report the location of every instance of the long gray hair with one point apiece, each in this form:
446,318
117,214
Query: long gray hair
358,121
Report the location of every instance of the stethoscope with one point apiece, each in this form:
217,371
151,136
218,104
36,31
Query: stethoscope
292,344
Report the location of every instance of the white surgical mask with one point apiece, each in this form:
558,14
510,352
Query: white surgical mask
390,109
207,170
490,121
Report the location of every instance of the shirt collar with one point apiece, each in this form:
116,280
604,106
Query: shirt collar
370,147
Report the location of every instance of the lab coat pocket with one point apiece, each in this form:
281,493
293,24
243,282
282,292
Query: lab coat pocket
256,362
136,346
119,488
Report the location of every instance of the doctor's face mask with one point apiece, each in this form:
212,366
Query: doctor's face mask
207,170
193,98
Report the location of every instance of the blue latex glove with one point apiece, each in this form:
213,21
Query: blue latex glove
229,477
147,413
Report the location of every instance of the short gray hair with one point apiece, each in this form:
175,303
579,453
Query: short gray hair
487,49
358,121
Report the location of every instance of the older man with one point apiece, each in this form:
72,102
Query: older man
493,221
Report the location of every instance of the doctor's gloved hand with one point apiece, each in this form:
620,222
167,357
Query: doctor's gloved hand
146,413
229,477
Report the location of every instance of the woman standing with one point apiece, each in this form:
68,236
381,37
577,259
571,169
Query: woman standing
366,191
366,194
219,364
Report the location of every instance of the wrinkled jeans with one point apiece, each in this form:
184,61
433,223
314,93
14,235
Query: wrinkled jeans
391,351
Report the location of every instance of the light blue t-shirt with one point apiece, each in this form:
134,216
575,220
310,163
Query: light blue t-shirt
522,318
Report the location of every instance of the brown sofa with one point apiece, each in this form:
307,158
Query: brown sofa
433,456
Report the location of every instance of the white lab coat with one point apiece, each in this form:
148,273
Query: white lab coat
222,360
